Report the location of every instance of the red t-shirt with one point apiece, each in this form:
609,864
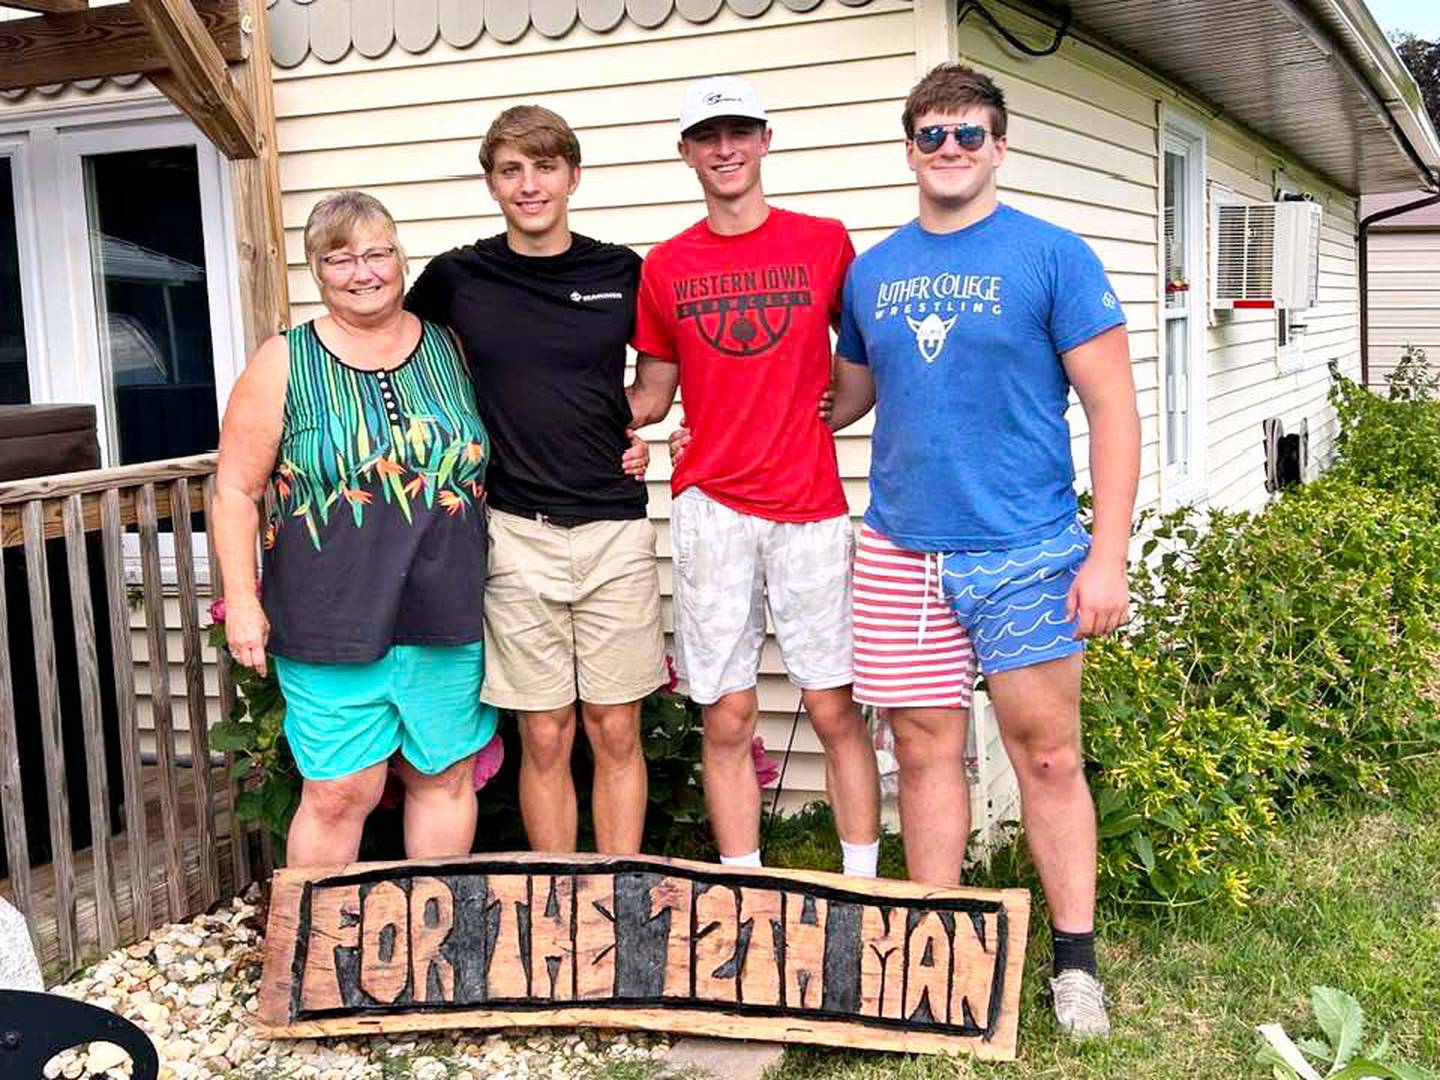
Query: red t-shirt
747,318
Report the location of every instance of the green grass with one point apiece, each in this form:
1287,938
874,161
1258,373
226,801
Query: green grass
1349,898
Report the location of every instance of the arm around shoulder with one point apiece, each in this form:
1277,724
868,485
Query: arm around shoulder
854,393
653,391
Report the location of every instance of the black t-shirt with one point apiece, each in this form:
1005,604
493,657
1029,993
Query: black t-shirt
545,340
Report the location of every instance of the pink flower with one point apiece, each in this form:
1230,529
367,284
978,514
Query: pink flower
487,764
674,679
488,761
766,769
217,610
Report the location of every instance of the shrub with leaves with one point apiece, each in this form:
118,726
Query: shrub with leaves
1341,1052
1412,378
1394,444
1273,659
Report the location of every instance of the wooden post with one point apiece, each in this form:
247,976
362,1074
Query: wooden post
259,218
195,692
160,699
88,669
12,802
123,667
239,835
111,40
57,797
198,81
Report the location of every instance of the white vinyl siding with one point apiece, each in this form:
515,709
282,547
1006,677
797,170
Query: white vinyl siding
407,129
1404,297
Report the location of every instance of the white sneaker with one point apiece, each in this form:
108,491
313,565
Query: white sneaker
1080,1004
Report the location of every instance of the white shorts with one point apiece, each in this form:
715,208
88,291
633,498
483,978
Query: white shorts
728,566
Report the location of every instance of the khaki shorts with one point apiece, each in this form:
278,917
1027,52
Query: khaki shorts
571,613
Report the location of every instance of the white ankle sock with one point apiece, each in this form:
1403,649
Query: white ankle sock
752,859
860,860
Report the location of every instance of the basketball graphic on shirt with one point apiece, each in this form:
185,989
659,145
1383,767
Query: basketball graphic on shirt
746,325
743,313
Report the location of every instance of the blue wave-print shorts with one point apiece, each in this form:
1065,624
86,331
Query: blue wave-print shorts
1012,602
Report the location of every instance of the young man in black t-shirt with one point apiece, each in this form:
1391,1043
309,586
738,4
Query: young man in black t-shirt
572,605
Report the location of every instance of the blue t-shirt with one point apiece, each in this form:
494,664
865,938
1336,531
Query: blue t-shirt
963,334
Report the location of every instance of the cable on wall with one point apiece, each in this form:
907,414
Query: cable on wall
1064,14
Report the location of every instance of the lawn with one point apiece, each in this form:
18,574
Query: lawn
1349,898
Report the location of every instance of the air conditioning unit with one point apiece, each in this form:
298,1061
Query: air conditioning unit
1267,255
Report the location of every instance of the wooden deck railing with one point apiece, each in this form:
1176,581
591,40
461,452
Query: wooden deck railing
70,920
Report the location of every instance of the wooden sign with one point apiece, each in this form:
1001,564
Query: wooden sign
641,942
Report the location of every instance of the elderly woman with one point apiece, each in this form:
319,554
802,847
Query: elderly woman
362,425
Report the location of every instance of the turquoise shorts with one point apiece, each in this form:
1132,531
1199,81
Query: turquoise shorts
423,700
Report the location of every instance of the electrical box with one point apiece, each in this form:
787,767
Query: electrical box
1267,255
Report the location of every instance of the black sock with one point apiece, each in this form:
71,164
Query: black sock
1073,951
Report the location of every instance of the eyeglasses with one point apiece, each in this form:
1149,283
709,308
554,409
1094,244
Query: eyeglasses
343,265
931,137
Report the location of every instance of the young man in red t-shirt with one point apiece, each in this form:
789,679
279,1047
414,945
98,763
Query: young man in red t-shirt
739,308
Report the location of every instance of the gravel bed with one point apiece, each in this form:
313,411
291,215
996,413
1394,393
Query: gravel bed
193,988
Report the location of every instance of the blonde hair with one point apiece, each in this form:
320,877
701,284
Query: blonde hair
336,219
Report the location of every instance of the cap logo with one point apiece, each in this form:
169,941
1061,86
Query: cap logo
716,98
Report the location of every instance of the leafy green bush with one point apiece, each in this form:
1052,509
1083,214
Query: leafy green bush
1273,659
1391,444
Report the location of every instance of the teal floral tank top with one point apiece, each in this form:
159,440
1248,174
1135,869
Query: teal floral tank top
375,533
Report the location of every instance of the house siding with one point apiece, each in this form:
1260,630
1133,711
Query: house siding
1404,276
1085,131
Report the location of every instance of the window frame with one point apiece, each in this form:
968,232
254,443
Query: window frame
1186,480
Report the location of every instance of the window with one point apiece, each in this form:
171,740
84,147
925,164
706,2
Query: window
1183,308
130,303
14,362
1289,342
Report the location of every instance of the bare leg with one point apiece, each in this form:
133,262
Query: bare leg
439,810
934,792
1039,712
732,792
326,828
547,789
620,779
852,779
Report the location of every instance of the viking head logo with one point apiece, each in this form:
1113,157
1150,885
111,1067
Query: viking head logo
930,333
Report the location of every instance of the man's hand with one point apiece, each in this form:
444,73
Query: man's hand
679,440
636,458
1099,597
246,631
826,408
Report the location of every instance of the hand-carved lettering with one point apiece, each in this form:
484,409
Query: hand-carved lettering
976,938
552,940
762,929
594,936
384,941
927,967
804,950
498,939
882,961
671,899
432,915
717,942
334,930
508,904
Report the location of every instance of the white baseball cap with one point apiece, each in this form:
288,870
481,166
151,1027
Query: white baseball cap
719,95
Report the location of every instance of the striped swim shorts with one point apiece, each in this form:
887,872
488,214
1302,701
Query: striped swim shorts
910,650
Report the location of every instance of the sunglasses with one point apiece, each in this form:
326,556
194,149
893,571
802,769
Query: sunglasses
931,137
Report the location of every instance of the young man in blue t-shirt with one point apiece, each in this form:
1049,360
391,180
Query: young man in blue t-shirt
966,329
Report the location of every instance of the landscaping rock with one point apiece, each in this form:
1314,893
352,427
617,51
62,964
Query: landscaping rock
193,987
